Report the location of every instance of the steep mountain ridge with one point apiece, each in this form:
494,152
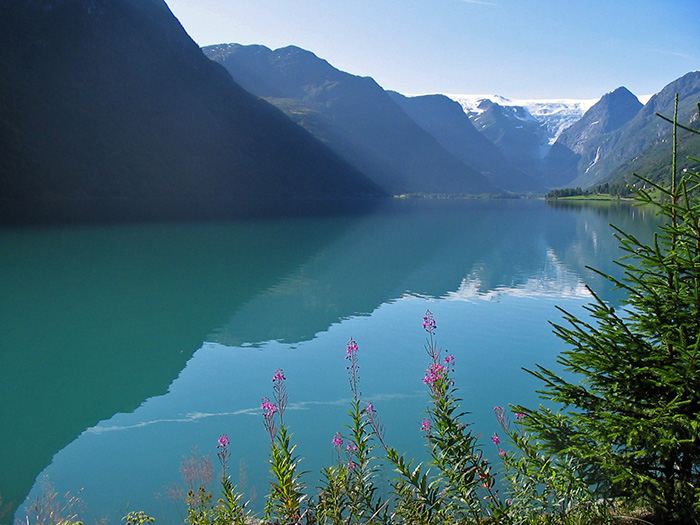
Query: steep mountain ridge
353,115
108,110
611,112
605,153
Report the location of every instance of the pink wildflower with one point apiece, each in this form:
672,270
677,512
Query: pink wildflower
429,322
224,453
269,408
353,368
425,426
496,440
352,348
433,374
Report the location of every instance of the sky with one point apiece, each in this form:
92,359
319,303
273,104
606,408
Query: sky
514,48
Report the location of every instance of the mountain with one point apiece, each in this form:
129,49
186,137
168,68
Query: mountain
445,120
524,130
555,115
654,162
516,133
353,115
646,135
609,114
109,110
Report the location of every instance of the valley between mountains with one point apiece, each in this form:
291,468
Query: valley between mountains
110,111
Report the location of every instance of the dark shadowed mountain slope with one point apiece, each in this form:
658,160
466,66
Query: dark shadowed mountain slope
642,136
445,120
353,115
108,109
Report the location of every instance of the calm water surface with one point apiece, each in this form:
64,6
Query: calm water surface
124,348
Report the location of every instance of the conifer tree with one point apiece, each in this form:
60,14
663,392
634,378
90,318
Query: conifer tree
631,397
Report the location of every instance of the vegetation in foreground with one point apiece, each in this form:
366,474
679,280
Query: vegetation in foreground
627,435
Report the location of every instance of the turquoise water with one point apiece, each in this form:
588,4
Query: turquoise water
124,348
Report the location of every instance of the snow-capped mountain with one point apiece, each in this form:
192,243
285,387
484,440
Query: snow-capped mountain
554,114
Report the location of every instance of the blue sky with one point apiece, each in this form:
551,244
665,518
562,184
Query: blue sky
513,48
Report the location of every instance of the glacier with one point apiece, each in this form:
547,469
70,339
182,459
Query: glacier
555,115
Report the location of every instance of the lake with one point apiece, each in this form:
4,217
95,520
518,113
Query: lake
124,348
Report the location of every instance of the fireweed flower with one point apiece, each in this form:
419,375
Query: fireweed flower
435,377
223,454
337,444
520,416
269,410
496,441
425,426
352,348
374,421
279,391
433,374
352,447
429,322
353,368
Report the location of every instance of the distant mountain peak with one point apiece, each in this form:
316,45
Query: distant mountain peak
613,110
554,114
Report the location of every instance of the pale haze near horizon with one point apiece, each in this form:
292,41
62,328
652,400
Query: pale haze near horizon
514,48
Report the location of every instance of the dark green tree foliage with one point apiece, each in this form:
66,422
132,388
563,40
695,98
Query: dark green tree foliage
631,412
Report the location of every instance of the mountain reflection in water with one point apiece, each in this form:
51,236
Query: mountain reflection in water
99,321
